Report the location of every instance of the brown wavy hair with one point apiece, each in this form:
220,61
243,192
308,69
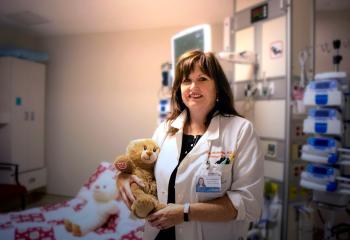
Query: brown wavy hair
210,66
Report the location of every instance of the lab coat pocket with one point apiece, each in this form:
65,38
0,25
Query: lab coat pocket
226,176
224,171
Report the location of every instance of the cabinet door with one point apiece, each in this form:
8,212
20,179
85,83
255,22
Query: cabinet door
28,129
20,114
5,110
37,112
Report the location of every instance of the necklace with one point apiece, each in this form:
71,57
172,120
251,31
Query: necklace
195,140
192,143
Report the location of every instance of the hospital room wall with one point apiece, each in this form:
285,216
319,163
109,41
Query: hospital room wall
101,93
332,25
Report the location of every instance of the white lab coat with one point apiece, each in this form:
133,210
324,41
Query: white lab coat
241,180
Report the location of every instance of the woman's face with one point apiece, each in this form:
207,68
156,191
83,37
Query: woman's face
201,181
198,91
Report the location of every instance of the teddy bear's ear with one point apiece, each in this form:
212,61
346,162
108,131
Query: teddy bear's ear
132,151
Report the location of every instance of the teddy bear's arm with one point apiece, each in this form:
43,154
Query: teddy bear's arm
124,164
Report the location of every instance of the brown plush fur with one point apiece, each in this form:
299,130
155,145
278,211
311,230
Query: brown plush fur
140,161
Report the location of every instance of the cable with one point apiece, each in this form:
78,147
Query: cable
321,217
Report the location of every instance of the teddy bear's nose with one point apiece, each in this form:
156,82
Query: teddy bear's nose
149,153
97,187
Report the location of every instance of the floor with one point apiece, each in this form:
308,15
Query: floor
45,199
34,199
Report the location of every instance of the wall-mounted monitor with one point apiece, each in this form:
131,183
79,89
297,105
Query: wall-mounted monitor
197,37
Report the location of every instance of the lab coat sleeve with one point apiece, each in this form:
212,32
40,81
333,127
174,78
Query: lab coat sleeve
247,185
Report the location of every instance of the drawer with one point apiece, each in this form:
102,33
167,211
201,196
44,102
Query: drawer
33,179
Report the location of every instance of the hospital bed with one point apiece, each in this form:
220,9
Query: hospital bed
47,222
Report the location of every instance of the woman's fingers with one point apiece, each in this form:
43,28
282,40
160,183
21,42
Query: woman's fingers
127,191
157,220
161,224
123,184
166,217
137,180
125,199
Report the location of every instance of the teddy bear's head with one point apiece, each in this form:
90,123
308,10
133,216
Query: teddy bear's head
104,189
143,152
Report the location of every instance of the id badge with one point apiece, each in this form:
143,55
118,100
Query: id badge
209,183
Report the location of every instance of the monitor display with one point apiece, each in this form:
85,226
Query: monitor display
321,142
197,37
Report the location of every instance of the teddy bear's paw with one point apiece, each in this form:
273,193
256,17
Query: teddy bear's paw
142,207
68,225
160,206
76,230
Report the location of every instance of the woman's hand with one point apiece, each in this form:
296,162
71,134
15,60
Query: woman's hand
167,217
123,184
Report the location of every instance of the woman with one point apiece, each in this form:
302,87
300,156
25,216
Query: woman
204,137
201,182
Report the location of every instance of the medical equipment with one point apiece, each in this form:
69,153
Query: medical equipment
269,224
323,93
244,57
344,157
196,37
337,58
330,75
323,121
319,177
164,94
326,90
305,219
340,77
299,88
343,185
302,61
326,173
320,150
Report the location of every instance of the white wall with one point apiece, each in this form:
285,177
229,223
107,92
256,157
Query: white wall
332,25
101,93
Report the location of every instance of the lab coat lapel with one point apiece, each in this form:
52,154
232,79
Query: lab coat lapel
214,128
169,157
211,134
179,124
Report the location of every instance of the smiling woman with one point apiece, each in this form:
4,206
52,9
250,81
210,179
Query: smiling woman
202,129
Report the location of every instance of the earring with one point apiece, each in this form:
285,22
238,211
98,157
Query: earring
217,99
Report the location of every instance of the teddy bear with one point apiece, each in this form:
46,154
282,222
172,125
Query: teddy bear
100,204
139,160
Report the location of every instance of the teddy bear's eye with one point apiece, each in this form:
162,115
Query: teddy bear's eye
154,149
144,147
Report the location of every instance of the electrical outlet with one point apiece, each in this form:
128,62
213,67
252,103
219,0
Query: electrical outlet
298,169
269,148
296,151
